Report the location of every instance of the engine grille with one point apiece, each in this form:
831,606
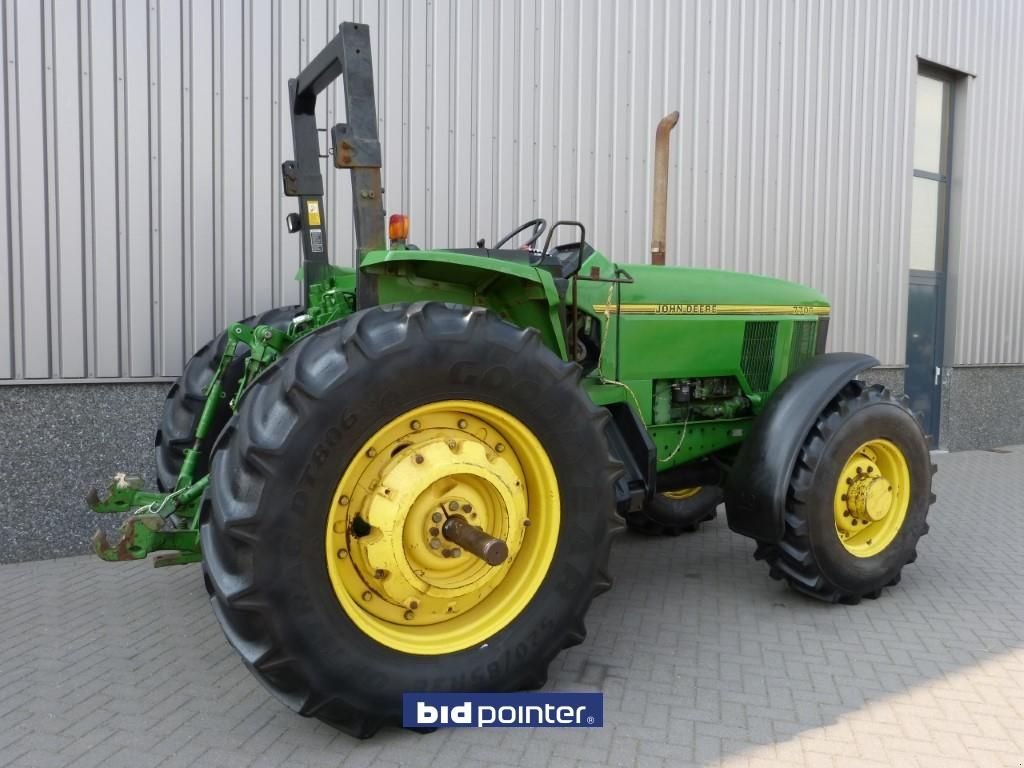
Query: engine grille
758,356
805,339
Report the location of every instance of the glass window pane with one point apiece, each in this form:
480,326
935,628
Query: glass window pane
931,124
927,224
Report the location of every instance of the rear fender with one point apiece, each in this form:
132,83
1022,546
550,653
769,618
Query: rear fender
520,293
755,492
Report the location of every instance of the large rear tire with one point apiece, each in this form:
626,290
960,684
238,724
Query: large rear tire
186,397
326,566
857,501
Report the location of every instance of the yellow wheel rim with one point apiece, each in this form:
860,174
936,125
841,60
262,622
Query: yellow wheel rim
393,571
682,493
872,497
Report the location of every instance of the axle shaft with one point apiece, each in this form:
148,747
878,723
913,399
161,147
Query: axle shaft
491,550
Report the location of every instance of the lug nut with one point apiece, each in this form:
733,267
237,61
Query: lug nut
436,517
371,452
453,506
342,554
435,531
463,423
499,447
435,543
452,445
870,469
367,595
415,424
409,615
380,573
343,501
455,552
418,459
414,604
526,523
446,552
467,508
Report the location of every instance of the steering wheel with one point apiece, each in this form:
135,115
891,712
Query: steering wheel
539,225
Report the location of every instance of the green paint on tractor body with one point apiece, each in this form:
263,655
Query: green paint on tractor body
662,325
657,334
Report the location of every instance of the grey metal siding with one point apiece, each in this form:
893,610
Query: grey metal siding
140,205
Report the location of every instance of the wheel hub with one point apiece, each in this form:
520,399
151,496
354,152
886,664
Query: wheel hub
872,497
431,521
406,558
869,498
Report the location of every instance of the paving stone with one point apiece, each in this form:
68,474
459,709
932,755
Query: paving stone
702,660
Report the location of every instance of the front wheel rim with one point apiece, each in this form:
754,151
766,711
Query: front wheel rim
682,493
392,570
872,498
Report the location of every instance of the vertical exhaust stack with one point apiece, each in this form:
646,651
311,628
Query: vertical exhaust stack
665,126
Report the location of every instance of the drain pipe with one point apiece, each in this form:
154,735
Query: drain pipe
665,126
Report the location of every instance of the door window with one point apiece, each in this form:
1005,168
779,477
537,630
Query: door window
931,173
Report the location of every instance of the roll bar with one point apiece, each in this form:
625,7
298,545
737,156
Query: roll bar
355,145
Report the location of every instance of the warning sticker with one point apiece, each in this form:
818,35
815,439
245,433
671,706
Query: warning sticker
313,213
316,240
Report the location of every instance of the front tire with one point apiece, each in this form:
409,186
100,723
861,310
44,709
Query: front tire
671,513
317,528
858,499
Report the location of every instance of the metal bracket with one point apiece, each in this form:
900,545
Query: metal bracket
352,151
125,493
142,534
299,184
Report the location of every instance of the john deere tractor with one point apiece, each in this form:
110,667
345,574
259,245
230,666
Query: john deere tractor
410,482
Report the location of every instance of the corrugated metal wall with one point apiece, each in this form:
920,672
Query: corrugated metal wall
142,144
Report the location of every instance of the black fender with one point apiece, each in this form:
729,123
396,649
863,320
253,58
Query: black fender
631,444
755,491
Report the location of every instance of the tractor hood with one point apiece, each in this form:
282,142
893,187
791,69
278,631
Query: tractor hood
690,291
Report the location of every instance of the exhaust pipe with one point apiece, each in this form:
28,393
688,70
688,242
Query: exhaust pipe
665,126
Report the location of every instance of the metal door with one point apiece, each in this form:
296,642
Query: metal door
923,379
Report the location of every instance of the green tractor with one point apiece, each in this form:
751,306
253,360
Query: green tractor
410,483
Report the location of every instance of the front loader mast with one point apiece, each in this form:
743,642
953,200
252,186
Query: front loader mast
170,521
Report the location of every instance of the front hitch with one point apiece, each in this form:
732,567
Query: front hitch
124,493
149,528
137,534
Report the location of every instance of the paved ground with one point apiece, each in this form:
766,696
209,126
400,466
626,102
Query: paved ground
702,659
